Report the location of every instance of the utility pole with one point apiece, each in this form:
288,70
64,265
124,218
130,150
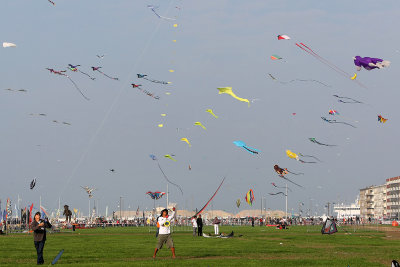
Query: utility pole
120,208
286,202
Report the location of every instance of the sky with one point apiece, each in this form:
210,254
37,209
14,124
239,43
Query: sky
218,43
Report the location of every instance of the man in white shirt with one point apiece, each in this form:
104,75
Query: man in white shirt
216,223
164,232
194,224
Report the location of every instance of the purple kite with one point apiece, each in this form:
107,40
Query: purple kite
370,63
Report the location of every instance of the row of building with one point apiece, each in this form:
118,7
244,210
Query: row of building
377,202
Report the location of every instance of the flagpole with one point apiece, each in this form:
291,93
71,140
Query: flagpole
167,196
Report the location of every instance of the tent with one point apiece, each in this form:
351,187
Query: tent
329,227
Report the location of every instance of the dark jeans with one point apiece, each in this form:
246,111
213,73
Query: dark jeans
39,245
200,231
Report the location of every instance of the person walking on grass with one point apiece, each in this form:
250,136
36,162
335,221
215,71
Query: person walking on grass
216,223
194,224
199,226
164,232
39,235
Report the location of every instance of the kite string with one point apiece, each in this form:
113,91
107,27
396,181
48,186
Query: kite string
111,108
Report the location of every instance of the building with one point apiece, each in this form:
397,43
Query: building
347,211
393,197
373,202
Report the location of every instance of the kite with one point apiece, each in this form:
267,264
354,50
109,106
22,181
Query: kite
160,125
144,76
138,86
308,50
64,122
228,90
199,124
100,56
370,63
57,257
112,170
274,194
335,121
88,190
169,157
190,167
238,203
153,8
212,113
19,90
5,44
155,195
51,2
312,139
74,68
354,101
248,149
153,157
61,73
33,183
333,112
208,202
38,114
354,77
381,119
186,140
283,37
98,69
276,57
249,197
293,155
395,263
297,80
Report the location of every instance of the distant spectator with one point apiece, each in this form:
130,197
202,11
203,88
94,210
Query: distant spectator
216,223
199,226
194,224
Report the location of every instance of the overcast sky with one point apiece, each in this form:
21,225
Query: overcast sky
219,43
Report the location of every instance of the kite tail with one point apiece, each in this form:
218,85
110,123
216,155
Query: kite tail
87,75
292,182
251,150
208,202
309,156
107,75
302,161
155,81
346,124
299,173
77,88
166,178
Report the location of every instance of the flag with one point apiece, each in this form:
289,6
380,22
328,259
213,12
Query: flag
30,213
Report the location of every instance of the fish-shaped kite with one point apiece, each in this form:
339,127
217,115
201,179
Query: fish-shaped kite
244,146
199,124
184,139
212,113
169,157
228,90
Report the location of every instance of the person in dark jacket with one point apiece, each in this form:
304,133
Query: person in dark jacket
199,226
39,235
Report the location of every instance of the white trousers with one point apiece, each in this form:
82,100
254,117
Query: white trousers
216,229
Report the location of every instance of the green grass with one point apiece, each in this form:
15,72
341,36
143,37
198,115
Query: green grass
259,246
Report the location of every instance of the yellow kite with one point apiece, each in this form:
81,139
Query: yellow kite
199,124
228,90
169,157
212,113
292,155
186,140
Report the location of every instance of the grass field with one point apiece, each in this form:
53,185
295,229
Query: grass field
258,246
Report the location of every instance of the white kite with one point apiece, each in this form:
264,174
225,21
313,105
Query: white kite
5,44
